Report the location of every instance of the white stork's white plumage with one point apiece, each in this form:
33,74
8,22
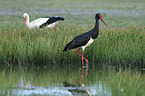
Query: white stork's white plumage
44,22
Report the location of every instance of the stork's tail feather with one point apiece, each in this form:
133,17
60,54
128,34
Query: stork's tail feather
67,47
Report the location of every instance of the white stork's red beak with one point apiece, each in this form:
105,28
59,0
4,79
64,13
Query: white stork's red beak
103,20
24,22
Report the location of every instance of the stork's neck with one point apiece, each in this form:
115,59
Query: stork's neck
95,30
28,22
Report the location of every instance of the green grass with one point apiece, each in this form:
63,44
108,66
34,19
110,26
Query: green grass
126,83
117,46
73,5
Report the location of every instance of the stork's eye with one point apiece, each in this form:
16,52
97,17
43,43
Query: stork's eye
100,16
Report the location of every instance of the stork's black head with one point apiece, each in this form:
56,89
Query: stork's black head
99,16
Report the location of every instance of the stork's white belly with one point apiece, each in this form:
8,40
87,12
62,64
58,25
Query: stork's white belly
88,44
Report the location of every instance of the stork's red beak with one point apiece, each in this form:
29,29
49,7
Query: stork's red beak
103,20
24,22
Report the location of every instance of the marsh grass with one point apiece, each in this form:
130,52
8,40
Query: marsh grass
123,46
117,46
126,83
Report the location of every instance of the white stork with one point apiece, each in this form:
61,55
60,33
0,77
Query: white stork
44,22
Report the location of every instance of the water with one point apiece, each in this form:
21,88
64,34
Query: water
55,90
50,81
43,82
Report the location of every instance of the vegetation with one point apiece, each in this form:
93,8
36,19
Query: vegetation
126,83
116,46
73,5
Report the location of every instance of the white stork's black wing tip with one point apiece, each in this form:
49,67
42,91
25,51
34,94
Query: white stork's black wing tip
51,20
60,18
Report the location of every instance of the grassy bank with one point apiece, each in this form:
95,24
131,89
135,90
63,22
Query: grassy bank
116,46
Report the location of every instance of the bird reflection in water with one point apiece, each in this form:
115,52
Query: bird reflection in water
77,89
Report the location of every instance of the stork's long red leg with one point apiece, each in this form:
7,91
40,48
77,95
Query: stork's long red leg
85,60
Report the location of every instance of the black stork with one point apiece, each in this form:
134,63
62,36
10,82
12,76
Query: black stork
84,40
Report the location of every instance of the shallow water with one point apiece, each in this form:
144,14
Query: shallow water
44,82
59,89
50,81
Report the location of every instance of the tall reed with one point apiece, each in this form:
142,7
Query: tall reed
117,46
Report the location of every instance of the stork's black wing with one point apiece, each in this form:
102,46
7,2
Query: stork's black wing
77,42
